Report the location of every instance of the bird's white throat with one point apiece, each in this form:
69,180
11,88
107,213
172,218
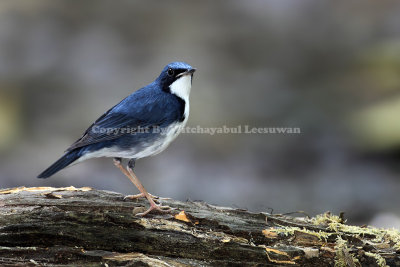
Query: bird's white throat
181,87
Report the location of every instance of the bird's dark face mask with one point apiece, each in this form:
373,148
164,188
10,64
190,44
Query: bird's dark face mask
171,74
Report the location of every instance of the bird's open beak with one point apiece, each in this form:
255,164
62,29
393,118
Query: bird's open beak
188,72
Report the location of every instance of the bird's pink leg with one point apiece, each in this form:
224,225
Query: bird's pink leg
117,162
153,205
132,177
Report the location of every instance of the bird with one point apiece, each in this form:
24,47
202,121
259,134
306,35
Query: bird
141,125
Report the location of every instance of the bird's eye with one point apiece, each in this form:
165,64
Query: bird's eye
170,72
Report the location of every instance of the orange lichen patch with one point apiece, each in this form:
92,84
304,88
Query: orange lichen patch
296,258
327,252
277,251
182,216
307,238
38,189
281,253
23,188
269,234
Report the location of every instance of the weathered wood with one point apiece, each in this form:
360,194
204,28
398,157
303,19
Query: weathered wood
82,226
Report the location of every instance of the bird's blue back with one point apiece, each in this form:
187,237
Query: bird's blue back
150,104
148,107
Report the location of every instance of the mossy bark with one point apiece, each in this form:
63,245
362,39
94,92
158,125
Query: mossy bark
83,226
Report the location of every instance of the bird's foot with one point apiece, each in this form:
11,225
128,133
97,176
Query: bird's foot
142,195
156,208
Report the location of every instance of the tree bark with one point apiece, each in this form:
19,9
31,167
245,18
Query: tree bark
83,226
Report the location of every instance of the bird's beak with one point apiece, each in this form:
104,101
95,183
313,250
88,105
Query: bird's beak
188,72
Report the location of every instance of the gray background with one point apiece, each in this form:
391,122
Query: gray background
331,68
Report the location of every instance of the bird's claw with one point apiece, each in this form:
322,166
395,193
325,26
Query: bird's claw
142,195
156,208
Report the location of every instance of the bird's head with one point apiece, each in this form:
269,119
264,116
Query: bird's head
176,78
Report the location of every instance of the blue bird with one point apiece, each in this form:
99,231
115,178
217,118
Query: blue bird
141,125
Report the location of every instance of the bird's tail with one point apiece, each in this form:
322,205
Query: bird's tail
63,162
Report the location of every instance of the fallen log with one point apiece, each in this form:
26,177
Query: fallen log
83,226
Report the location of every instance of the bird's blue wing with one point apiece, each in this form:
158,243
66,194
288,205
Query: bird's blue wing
106,128
134,112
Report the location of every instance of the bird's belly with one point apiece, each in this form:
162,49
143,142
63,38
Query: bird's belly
142,149
160,144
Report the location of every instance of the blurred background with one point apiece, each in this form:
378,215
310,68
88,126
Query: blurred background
331,68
